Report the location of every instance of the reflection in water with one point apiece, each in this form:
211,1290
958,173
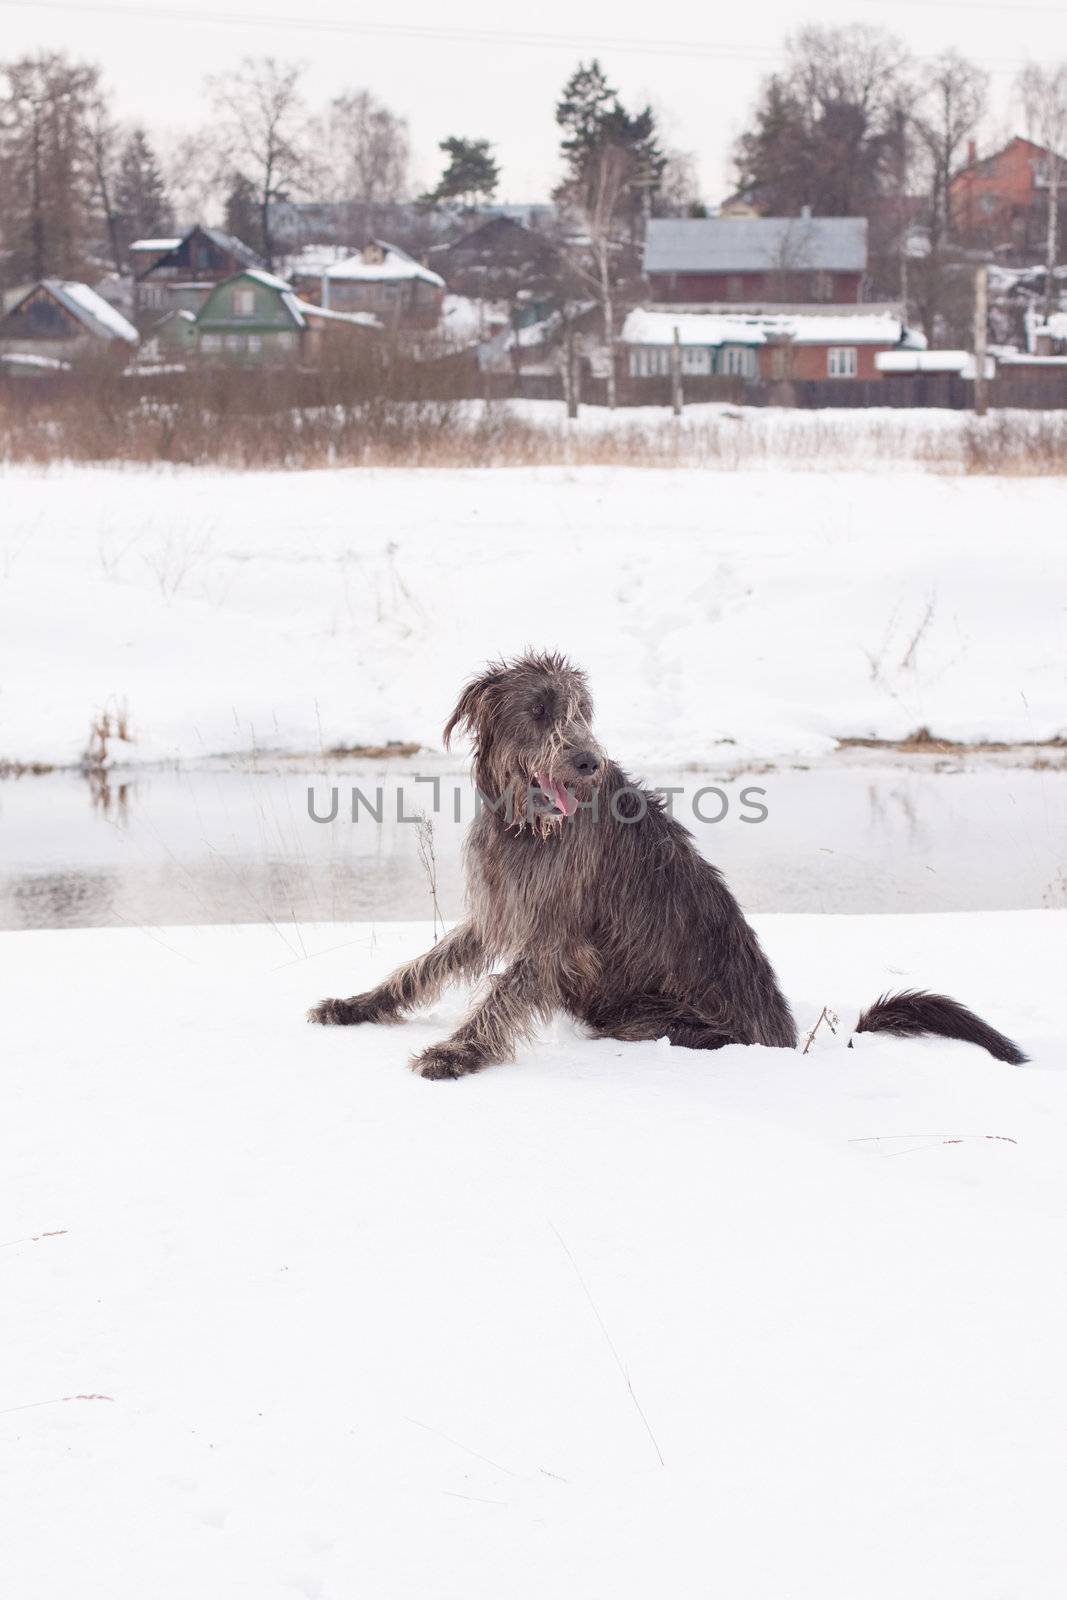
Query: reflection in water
205,846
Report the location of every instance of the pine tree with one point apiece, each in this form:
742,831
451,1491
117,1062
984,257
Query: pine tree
141,200
593,117
242,212
471,173
586,101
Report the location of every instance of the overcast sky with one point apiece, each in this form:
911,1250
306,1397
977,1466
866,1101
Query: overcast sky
466,69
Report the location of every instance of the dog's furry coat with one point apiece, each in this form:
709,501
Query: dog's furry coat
599,903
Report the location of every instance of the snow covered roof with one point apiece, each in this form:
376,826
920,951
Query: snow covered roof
228,242
1010,358
91,310
713,329
960,362
756,244
15,358
380,261
359,319
151,246
1055,326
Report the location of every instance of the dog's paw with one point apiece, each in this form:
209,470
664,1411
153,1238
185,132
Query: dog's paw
446,1060
339,1013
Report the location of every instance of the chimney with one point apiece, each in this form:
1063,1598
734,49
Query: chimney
805,212
972,152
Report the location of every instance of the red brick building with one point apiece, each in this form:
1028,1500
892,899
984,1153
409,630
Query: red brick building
1001,201
756,261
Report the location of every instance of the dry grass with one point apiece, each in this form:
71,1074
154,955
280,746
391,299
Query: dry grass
402,414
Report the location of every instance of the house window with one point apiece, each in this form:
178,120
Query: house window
696,360
650,361
210,341
821,286
255,342
234,341
735,287
244,302
841,361
737,361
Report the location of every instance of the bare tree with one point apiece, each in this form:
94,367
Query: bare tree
103,138
266,131
195,175
46,176
367,150
678,190
1043,91
951,104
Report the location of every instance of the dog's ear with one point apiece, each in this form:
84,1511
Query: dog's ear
471,703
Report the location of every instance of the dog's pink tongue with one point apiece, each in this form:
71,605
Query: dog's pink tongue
559,796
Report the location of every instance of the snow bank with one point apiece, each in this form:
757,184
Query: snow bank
617,1320
720,614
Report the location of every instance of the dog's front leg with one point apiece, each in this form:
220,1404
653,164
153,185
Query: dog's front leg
416,984
517,999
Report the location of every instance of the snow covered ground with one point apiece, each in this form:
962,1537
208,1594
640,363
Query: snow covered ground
613,1321
744,614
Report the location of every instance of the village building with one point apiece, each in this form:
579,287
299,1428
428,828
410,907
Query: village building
771,348
63,320
383,280
182,274
501,259
1001,201
755,261
255,318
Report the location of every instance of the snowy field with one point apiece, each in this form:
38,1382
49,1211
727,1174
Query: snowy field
614,1321
749,614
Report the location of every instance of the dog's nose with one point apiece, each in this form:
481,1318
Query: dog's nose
585,763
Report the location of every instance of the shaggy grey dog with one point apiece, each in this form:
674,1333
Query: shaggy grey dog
598,902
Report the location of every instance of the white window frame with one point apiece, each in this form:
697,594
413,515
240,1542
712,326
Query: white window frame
842,361
736,362
696,360
244,303
650,361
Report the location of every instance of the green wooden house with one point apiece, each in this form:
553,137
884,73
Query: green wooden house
255,318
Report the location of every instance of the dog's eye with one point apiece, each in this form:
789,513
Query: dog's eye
537,710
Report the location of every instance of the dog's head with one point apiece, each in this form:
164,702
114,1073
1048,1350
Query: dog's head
530,721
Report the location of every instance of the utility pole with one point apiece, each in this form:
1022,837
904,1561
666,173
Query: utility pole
981,320
676,374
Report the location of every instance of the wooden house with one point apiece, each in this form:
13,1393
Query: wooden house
763,347
64,320
383,280
755,261
500,259
182,276
255,318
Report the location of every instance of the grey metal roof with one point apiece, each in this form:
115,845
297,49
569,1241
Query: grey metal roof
756,244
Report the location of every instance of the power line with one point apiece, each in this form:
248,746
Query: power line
704,49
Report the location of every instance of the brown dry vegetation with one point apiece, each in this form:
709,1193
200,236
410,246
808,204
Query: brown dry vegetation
405,414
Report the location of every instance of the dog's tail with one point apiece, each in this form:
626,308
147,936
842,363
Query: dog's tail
916,1011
